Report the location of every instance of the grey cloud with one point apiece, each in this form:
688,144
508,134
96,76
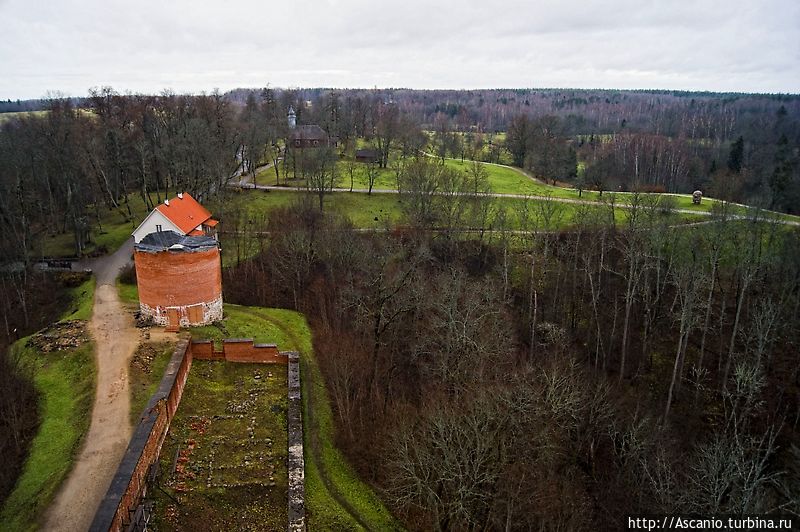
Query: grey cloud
195,46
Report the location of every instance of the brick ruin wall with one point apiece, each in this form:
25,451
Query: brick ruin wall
129,485
238,350
189,282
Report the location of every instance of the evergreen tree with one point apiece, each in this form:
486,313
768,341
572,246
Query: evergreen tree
736,156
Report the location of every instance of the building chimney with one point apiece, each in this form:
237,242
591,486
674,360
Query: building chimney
180,195
166,202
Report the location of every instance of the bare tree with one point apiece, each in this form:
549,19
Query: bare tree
319,167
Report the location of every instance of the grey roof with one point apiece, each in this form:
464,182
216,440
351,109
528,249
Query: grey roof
309,132
368,153
172,241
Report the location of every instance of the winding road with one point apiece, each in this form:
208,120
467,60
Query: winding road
116,338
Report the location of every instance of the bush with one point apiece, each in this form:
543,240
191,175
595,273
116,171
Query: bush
128,274
650,189
667,204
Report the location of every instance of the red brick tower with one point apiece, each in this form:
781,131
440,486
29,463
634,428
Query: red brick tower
179,279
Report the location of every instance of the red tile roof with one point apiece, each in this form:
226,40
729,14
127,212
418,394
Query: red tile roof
185,212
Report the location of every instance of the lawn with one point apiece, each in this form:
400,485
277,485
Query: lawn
378,211
65,381
112,230
510,180
334,493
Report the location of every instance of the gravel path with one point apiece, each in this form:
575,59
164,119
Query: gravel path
116,338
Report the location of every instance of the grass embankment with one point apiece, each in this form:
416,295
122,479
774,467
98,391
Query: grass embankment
128,293
336,499
65,381
381,211
144,374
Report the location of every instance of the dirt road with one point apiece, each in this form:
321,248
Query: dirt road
116,338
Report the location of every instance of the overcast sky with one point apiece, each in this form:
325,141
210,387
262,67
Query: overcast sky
147,46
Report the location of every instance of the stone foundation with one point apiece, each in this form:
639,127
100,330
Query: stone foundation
188,314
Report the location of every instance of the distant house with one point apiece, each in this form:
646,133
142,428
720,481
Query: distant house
182,214
310,136
368,155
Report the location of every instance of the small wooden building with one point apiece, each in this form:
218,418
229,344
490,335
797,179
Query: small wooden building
368,155
310,136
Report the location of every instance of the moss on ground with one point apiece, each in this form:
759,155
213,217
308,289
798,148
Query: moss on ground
65,382
336,499
230,437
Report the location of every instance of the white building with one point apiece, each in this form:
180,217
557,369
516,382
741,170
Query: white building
182,214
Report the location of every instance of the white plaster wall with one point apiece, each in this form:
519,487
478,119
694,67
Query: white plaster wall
149,225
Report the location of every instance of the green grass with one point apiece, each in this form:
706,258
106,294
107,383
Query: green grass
362,209
113,229
232,474
144,376
82,301
509,180
128,293
379,211
65,382
289,330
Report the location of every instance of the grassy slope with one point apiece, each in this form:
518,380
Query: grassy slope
128,293
508,180
290,331
116,229
65,381
143,385
379,210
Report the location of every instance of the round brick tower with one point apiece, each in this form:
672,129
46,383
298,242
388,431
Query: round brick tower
179,279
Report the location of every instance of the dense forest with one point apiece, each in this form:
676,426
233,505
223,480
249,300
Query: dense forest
556,380
557,372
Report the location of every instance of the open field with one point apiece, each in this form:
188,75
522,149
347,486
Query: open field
230,439
381,210
509,180
65,380
5,117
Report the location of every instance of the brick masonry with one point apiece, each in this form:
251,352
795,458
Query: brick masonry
189,282
239,350
129,485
